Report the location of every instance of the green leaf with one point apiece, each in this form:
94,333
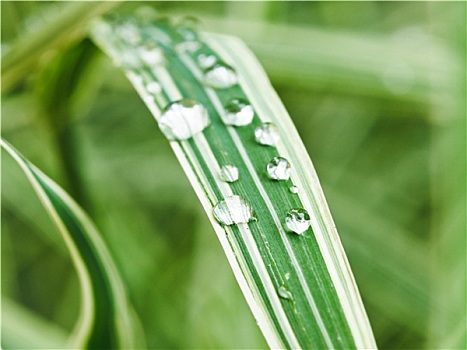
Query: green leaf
299,287
106,319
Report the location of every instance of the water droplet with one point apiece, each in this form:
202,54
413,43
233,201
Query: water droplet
267,134
187,30
206,61
287,276
129,33
298,220
233,210
229,173
279,169
293,189
154,87
284,293
238,112
151,55
183,119
220,76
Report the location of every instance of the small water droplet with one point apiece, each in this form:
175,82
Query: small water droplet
187,29
233,210
151,55
279,169
229,173
238,112
284,293
128,60
183,119
267,134
293,189
154,87
206,61
297,220
220,76
129,33
287,276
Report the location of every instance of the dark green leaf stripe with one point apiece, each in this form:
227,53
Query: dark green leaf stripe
107,320
323,308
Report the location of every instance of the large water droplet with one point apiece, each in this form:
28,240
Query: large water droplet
220,76
267,134
293,189
183,119
233,210
279,169
297,220
206,61
284,293
229,173
238,112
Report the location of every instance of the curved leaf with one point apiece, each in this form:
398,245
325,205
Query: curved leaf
106,319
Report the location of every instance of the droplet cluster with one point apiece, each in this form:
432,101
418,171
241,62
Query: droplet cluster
181,120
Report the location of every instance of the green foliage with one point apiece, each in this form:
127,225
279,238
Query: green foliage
387,137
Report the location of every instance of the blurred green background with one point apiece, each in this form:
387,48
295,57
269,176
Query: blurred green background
377,92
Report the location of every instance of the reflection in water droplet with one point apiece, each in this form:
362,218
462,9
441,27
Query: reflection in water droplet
151,55
154,87
183,119
206,61
238,112
279,169
229,173
267,134
220,76
233,210
284,293
298,220
293,189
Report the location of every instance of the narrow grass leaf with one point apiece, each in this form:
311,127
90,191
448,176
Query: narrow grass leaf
252,174
106,318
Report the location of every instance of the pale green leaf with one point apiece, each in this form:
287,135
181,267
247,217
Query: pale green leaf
106,317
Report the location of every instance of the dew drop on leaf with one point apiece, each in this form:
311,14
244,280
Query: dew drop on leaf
220,76
187,29
206,61
284,293
238,112
151,55
154,87
278,169
298,220
293,189
229,173
267,134
233,210
183,119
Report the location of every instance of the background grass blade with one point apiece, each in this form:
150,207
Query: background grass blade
106,318
300,288
67,24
